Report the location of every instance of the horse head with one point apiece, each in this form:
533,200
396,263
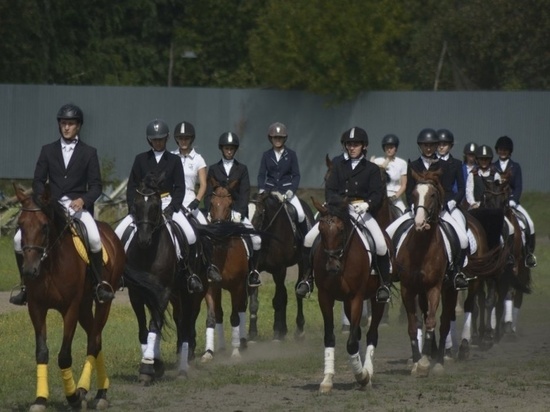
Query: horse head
335,229
496,192
148,208
41,222
221,201
428,196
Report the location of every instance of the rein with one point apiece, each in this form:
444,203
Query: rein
156,225
337,253
434,210
45,250
273,218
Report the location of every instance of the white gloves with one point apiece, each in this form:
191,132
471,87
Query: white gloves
279,196
361,207
288,194
236,217
512,204
451,204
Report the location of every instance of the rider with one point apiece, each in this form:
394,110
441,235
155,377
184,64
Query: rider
226,170
428,142
173,187
357,180
72,169
469,160
396,169
485,171
194,168
279,172
504,148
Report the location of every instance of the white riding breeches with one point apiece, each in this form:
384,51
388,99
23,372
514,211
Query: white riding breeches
256,239
458,227
295,201
529,220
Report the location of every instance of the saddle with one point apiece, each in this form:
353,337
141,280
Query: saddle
81,244
522,220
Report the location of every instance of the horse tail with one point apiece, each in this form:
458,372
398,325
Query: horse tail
149,288
492,263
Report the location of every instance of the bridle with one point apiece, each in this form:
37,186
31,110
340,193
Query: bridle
262,214
336,254
146,221
433,212
223,196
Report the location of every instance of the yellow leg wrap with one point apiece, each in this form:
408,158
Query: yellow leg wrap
42,390
86,376
101,371
69,386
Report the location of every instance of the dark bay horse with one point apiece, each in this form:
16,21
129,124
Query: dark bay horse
421,264
55,278
157,281
281,248
230,255
342,268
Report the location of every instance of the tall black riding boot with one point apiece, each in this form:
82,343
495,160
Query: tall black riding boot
460,281
305,286
383,294
302,227
194,284
21,298
530,258
104,292
254,276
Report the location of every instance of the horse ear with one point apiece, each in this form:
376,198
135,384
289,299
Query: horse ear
415,175
20,192
46,195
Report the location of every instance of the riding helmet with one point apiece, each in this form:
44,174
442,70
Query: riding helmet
504,142
470,148
355,134
157,129
390,139
277,129
445,136
228,139
184,129
427,136
484,152
70,111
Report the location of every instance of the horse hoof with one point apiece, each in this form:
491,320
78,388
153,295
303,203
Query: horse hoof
183,374
159,368
464,351
363,379
236,355
99,404
77,401
243,344
144,379
37,408
423,368
299,335
438,369
207,357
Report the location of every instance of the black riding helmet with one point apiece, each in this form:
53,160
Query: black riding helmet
390,139
446,136
470,148
355,134
427,136
70,111
504,142
228,139
184,129
484,152
157,129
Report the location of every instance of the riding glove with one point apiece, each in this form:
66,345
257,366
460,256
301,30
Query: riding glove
451,205
194,204
279,196
361,207
513,204
289,194
169,211
236,217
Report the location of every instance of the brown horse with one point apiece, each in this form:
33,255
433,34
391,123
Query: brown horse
342,268
281,248
421,264
231,257
55,278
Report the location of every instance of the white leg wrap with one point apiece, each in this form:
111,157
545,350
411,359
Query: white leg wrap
365,313
235,337
329,361
143,348
467,329
209,339
242,325
355,363
515,314
149,352
508,305
369,360
220,337
184,354
345,320
420,337
454,337
494,319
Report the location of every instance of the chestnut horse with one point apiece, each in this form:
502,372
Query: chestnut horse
55,276
342,267
281,248
421,264
230,255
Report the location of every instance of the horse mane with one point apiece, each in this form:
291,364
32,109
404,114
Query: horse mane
153,180
339,207
54,211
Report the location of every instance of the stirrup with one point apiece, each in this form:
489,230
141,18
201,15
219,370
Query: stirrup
106,290
530,260
21,298
309,289
213,274
255,284
460,276
383,288
200,287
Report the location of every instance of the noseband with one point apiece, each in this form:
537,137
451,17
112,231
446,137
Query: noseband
223,196
44,250
432,212
146,221
336,254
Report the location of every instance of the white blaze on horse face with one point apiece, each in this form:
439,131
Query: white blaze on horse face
420,215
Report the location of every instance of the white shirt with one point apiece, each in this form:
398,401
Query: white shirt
395,168
470,185
192,163
67,150
227,165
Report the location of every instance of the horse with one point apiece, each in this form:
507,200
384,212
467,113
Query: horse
55,276
281,248
421,263
342,267
156,280
231,257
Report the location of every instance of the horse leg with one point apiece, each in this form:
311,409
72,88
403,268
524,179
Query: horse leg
447,313
464,348
299,333
378,311
354,309
38,318
433,297
326,304
238,322
214,317
241,305
409,304
488,334
279,303
253,306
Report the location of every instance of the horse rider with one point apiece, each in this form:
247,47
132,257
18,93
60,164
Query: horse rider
74,175
280,172
357,180
159,160
483,171
194,169
396,169
230,169
428,143
504,164
469,161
